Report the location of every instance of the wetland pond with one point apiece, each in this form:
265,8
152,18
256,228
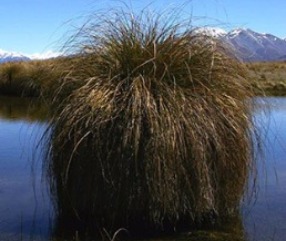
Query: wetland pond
26,210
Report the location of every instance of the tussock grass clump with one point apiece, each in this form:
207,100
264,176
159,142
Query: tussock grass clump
156,134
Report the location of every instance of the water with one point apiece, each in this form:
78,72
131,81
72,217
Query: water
26,212
266,218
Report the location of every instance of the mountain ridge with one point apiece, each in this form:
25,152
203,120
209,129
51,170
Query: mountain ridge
6,56
248,45
11,56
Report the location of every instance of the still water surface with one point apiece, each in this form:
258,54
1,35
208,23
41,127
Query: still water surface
25,209
266,218
26,212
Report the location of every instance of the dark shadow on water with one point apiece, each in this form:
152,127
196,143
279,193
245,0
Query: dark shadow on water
231,230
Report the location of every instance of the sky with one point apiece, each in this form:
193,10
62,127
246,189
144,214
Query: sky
40,27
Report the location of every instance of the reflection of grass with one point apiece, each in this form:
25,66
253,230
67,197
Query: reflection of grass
156,135
212,236
22,108
268,78
233,233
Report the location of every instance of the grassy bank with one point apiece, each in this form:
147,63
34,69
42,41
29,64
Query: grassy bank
268,78
33,78
43,77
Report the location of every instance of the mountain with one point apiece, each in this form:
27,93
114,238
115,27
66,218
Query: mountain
253,46
211,31
249,45
6,56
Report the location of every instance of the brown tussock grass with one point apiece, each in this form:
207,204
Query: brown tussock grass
154,127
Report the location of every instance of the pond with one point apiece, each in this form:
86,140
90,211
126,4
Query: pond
26,210
25,207
265,219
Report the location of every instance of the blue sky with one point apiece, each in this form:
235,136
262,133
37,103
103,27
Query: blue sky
38,26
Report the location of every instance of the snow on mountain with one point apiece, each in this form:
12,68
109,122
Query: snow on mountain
211,31
6,56
252,46
45,55
248,44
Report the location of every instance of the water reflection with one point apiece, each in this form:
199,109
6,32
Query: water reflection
24,206
25,109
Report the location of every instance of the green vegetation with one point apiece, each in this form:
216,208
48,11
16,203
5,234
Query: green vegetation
151,129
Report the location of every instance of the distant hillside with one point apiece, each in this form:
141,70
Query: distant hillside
249,45
6,56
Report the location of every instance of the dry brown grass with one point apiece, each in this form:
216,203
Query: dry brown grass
154,129
33,78
268,78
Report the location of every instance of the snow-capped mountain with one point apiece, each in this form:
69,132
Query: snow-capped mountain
250,45
6,56
247,44
253,46
211,31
